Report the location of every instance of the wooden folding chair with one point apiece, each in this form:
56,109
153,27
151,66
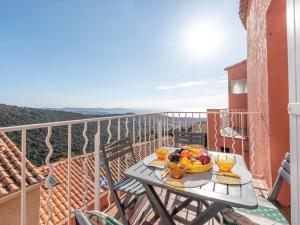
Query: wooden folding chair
117,155
182,138
283,175
94,218
267,212
81,219
189,138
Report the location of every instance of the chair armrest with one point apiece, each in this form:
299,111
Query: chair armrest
103,217
81,219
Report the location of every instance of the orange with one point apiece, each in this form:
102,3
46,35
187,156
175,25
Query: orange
185,154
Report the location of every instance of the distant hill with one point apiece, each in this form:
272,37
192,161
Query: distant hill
100,111
36,148
15,115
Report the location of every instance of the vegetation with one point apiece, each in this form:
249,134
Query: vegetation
36,147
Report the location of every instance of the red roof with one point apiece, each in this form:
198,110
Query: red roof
236,64
59,199
10,168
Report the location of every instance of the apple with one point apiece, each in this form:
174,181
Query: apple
204,158
204,151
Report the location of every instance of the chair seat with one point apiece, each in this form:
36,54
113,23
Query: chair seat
129,185
266,214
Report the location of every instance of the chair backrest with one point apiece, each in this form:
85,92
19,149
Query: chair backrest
116,155
81,219
283,174
189,138
97,217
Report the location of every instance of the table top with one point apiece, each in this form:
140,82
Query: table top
230,195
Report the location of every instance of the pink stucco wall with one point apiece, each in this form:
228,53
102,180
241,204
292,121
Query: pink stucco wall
258,84
268,84
235,72
267,81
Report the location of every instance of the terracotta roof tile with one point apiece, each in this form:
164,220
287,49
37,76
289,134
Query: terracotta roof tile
10,168
59,199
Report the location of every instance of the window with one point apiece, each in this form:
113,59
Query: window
52,181
238,86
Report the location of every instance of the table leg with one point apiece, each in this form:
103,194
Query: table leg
207,204
181,206
208,213
158,205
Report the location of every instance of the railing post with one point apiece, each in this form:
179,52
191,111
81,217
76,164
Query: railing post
164,118
47,181
97,167
119,137
149,133
69,171
173,130
159,128
84,184
23,175
140,138
133,129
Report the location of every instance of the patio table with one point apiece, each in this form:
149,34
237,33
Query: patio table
220,195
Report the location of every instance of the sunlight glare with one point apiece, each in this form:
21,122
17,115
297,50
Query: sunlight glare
202,40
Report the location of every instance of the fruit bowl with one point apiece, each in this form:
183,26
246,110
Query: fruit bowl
161,153
193,163
176,170
225,164
199,168
195,149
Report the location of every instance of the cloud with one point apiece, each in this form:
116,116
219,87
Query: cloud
191,84
182,85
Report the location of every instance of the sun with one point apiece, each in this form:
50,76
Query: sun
202,40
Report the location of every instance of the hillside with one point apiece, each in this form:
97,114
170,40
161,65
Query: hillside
36,148
103,111
15,115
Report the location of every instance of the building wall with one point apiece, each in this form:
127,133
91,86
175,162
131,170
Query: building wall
278,85
215,140
267,83
213,129
10,211
235,72
258,83
237,101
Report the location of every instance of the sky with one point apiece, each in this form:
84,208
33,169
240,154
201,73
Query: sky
167,55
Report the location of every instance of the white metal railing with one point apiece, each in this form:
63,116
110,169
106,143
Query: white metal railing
148,131
233,124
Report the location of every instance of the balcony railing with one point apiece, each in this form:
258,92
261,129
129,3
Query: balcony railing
233,122
226,130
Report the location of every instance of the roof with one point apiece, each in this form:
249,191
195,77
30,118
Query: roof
236,64
10,168
59,198
243,12
59,203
